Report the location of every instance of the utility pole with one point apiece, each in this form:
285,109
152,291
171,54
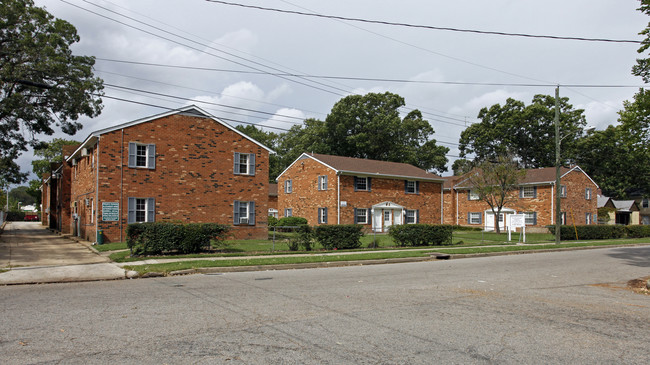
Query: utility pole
558,220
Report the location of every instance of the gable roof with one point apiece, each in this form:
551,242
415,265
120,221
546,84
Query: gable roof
625,205
366,167
191,110
541,176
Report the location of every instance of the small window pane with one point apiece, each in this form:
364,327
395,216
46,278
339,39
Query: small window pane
410,187
530,218
475,218
141,156
529,192
243,163
362,216
362,183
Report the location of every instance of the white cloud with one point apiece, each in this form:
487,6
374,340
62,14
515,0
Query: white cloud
284,118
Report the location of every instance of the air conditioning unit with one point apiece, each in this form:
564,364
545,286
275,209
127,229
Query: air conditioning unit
243,220
84,152
74,162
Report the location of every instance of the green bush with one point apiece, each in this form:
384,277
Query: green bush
158,238
590,232
291,222
272,221
15,216
303,238
638,231
339,237
421,234
466,228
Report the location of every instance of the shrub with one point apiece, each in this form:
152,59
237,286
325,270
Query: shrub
15,216
158,238
466,228
291,222
339,237
303,238
421,234
272,221
590,232
638,231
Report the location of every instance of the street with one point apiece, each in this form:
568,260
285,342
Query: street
560,307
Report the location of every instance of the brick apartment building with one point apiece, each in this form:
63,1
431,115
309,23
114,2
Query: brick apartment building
327,189
535,198
55,195
180,166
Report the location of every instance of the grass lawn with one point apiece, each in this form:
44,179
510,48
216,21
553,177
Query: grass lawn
184,265
113,246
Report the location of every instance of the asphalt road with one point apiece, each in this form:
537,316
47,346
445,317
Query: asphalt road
560,307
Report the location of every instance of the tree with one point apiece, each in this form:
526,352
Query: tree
462,166
52,152
642,67
495,183
42,84
527,131
369,126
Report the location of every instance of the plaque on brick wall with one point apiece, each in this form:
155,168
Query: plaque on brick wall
110,211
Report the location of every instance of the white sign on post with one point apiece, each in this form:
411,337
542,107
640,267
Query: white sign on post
517,221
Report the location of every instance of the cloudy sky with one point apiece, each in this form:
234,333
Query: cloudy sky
173,53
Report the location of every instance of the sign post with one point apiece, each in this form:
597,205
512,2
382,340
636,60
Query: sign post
518,221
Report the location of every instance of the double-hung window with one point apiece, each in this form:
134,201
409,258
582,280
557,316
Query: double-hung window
563,218
244,213
288,186
587,218
244,163
588,193
288,212
361,183
412,216
322,215
645,203
142,155
411,187
361,216
474,218
141,210
528,192
531,218
562,191
472,195
322,182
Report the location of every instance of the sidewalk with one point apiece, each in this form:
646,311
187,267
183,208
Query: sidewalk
32,254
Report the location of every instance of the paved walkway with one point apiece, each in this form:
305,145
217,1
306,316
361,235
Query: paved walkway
32,254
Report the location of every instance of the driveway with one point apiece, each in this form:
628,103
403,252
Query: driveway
35,255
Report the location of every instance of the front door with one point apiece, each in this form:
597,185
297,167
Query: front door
388,219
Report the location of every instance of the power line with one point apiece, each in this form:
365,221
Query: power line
429,27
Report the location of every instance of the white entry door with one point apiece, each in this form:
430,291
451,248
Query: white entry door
388,219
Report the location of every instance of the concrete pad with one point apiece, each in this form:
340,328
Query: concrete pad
58,274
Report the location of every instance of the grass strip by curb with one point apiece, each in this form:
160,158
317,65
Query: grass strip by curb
473,250
185,265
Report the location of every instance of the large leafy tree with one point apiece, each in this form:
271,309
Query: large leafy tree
369,126
42,84
51,152
526,131
495,183
642,67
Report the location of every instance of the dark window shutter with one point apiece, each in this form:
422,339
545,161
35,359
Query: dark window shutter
325,215
151,156
368,216
131,212
318,215
355,187
534,218
236,160
417,187
236,213
355,214
534,191
417,216
406,186
369,180
469,218
251,164
131,154
318,180
480,218
521,192
325,182
251,213
151,210
469,195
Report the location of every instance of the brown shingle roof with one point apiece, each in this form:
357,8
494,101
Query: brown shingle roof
373,167
533,176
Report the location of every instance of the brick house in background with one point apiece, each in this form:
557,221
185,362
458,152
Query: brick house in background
273,200
327,189
180,166
55,195
535,198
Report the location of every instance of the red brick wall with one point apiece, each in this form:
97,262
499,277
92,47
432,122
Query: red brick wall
575,205
45,200
306,198
193,180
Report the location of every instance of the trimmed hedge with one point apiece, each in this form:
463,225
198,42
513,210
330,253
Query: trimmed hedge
421,234
291,222
158,238
638,231
590,232
339,237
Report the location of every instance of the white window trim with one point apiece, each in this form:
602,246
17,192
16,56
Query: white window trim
528,192
474,218
365,214
471,195
288,186
563,191
411,184
415,216
288,212
356,185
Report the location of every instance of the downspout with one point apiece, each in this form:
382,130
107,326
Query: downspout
338,198
442,205
456,207
552,206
